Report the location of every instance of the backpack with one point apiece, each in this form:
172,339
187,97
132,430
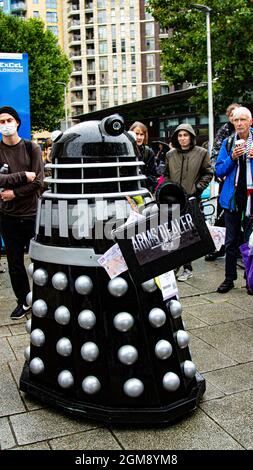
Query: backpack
29,147
229,143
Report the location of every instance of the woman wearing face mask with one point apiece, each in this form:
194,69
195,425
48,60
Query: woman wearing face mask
18,203
145,153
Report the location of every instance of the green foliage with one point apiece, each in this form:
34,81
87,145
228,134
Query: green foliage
47,66
184,53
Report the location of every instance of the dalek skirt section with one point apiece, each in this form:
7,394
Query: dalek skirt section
106,349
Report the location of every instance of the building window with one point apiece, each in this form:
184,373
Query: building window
151,91
54,30
51,3
104,94
164,89
114,46
123,58
101,3
104,78
124,94
115,94
115,78
36,14
132,14
102,16
150,44
113,30
151,75
149,29
115,62
35,2
103,63
134,93
132,31
133,73
123,45
102,32
103,47
51,17
124,78
150,60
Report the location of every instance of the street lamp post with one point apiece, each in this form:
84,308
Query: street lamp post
205,9
65,103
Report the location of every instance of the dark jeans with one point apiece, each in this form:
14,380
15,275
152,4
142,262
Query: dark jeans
233,224
17,233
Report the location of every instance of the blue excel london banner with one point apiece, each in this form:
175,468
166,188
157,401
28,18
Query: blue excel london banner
14,88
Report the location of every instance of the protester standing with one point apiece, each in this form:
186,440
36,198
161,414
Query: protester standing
236,166
190,166
19,204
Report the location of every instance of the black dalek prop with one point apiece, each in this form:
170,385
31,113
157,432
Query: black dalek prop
111,350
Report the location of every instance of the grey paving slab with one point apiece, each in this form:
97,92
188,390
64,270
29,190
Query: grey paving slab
248,322
6,353
205,356
233,339
10,401
6,437
197,432
98,439
217,313
211,391
4,331
186,290
236,293
16,369
232,379
39,446
41,425
18,344
245,302
196,300
18,329
234,413
206,282
190,321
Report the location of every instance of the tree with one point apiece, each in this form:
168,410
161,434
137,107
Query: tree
184,54
47,66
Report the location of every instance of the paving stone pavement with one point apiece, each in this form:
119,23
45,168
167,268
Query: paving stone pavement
221,330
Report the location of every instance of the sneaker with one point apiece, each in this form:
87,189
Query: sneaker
19,312
186,274
225,286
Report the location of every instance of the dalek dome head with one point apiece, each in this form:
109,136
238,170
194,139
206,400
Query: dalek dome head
94,139
96,159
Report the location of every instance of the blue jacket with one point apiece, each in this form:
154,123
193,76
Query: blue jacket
226,167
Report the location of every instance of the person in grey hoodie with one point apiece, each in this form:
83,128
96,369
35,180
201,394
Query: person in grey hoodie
190,166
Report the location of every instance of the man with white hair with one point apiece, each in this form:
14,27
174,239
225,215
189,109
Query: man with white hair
236,196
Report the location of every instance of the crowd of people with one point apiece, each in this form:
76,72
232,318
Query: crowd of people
181,161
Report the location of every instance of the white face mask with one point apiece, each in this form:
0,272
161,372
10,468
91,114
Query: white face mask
8,129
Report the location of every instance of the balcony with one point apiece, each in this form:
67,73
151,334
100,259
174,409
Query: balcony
74,24
18,7
73,9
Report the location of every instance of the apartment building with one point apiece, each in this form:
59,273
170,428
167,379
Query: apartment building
114,46
50,11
